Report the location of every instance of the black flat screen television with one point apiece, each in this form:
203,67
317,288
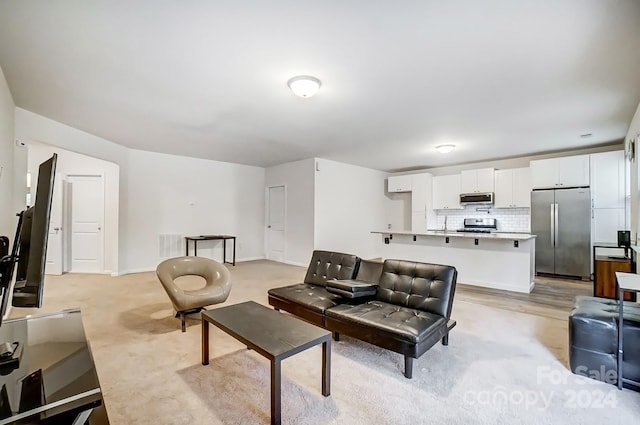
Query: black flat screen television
29,249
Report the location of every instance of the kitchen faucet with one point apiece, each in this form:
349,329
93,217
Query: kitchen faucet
445,223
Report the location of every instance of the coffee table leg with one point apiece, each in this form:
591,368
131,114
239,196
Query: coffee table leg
275,392
326,368
205,342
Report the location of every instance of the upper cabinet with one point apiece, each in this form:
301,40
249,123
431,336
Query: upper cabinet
399,183
566,171
608,180
474,181
446,192
513,188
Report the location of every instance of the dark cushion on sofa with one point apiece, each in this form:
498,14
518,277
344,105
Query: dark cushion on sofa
327,265
310,299
406,323
426,287
310,296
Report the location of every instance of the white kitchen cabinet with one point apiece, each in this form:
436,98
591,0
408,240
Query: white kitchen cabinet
477,181
605,223
446,192
573,170
513,188
568,171
422,213
608,180
418,222
399,183
419,187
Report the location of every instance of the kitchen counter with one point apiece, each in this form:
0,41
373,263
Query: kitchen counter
496,260
471,235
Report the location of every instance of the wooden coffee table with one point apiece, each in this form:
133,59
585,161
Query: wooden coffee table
274,335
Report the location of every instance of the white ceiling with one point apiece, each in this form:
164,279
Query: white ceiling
208,78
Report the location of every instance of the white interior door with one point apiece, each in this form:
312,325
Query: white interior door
54,241
86,201
275,223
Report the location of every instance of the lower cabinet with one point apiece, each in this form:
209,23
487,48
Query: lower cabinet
604,277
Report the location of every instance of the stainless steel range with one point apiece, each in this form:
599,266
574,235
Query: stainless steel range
479,225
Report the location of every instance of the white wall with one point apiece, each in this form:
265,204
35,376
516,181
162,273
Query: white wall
32,128
350,202
74,163
173,194
156,190
7,207
519,162
298,179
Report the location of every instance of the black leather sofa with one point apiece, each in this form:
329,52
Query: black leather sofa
410,313
593,339
402,306
309,300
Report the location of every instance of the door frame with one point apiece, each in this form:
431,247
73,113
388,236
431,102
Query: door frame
59,198
67,214
267,212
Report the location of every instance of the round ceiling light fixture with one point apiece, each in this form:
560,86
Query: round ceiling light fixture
445,148
304,85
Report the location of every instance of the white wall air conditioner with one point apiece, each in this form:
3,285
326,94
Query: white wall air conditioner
170,245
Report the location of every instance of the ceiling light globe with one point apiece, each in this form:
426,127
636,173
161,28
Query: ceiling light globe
445,148
304,85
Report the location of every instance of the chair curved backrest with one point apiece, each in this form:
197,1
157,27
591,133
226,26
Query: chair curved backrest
215,291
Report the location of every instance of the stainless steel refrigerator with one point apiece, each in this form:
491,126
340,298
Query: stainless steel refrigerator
561,220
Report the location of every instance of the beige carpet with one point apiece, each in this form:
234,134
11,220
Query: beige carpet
500,367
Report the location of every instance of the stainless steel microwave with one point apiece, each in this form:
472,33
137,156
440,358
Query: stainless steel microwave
476,198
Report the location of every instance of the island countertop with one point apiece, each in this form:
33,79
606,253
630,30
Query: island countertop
493,260
453,233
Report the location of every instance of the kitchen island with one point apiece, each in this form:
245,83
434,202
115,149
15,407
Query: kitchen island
491,260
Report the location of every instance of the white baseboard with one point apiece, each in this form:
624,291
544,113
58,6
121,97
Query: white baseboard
294,263
242,260
145,270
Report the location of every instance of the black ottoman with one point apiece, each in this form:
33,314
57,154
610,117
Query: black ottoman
593,339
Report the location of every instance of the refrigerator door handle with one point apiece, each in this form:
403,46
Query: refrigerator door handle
555,221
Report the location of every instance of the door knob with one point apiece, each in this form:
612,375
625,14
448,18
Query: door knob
269,227
57,229
99,228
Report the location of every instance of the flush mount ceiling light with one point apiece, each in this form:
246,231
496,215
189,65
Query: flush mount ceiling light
304,85
445,148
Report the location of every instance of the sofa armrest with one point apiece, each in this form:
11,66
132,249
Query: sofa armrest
351,288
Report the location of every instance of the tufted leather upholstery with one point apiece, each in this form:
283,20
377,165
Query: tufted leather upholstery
593,336
310,299
327,265
410,313
426,287
404,323
313,297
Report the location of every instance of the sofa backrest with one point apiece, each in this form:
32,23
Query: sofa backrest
369,271
327,265
423,286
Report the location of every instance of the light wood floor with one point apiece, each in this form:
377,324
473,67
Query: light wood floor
551,297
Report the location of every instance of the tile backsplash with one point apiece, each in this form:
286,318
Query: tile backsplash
508,219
